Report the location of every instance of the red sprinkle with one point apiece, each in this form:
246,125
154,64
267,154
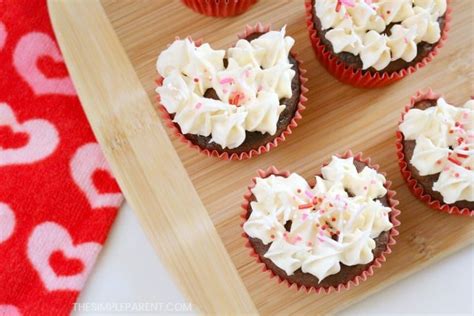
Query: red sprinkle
196,79
460,140
310,243
304,206
454,160
438,162
462,155
456,175
333,219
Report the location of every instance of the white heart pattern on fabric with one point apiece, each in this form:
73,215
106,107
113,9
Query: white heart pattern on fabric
29,49
48,238
87,160
9,310
7,222
43,139
3,35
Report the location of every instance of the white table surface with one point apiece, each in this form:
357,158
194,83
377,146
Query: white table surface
129,271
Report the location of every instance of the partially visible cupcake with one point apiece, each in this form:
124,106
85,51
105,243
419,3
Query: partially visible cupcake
374,43
233,104
219,8
326,236
436,151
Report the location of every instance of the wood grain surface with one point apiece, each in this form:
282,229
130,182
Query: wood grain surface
144,161
338,117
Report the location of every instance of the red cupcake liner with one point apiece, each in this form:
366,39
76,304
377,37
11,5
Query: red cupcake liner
357,77
219,8
415,188
376,263
258,28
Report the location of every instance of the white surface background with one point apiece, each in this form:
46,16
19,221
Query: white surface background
129,271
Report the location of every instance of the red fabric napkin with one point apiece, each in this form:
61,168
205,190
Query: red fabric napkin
57,196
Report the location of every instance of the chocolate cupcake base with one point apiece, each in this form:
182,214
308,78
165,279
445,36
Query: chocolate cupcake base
355,62
348,275
426,182
255,143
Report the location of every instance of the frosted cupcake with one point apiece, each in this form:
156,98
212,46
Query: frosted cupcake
373,43
326,236
237,103
436,149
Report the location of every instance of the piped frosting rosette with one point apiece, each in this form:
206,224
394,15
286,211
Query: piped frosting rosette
444,146
249,88
333,223
379,32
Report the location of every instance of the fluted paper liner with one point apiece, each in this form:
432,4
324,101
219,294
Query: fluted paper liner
258,28
412,183
219,8
358,77
376,263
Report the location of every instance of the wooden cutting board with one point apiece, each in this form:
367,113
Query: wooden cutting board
338,117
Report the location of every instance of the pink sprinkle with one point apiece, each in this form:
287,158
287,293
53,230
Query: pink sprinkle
446,169
260,88
309,194
465,115
304,216
247,73
198,105
365,188
349,3
372,181
405,40
226,80
225,90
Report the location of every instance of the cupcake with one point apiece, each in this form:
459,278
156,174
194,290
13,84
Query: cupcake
374,43
232,104
436,152
326,236
219,8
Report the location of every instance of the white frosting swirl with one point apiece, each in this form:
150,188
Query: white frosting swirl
258,75
328,226
359,27
444,137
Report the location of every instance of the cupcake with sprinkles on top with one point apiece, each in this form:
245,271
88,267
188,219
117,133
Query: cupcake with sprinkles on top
436,150
326,236
236,103
371,43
